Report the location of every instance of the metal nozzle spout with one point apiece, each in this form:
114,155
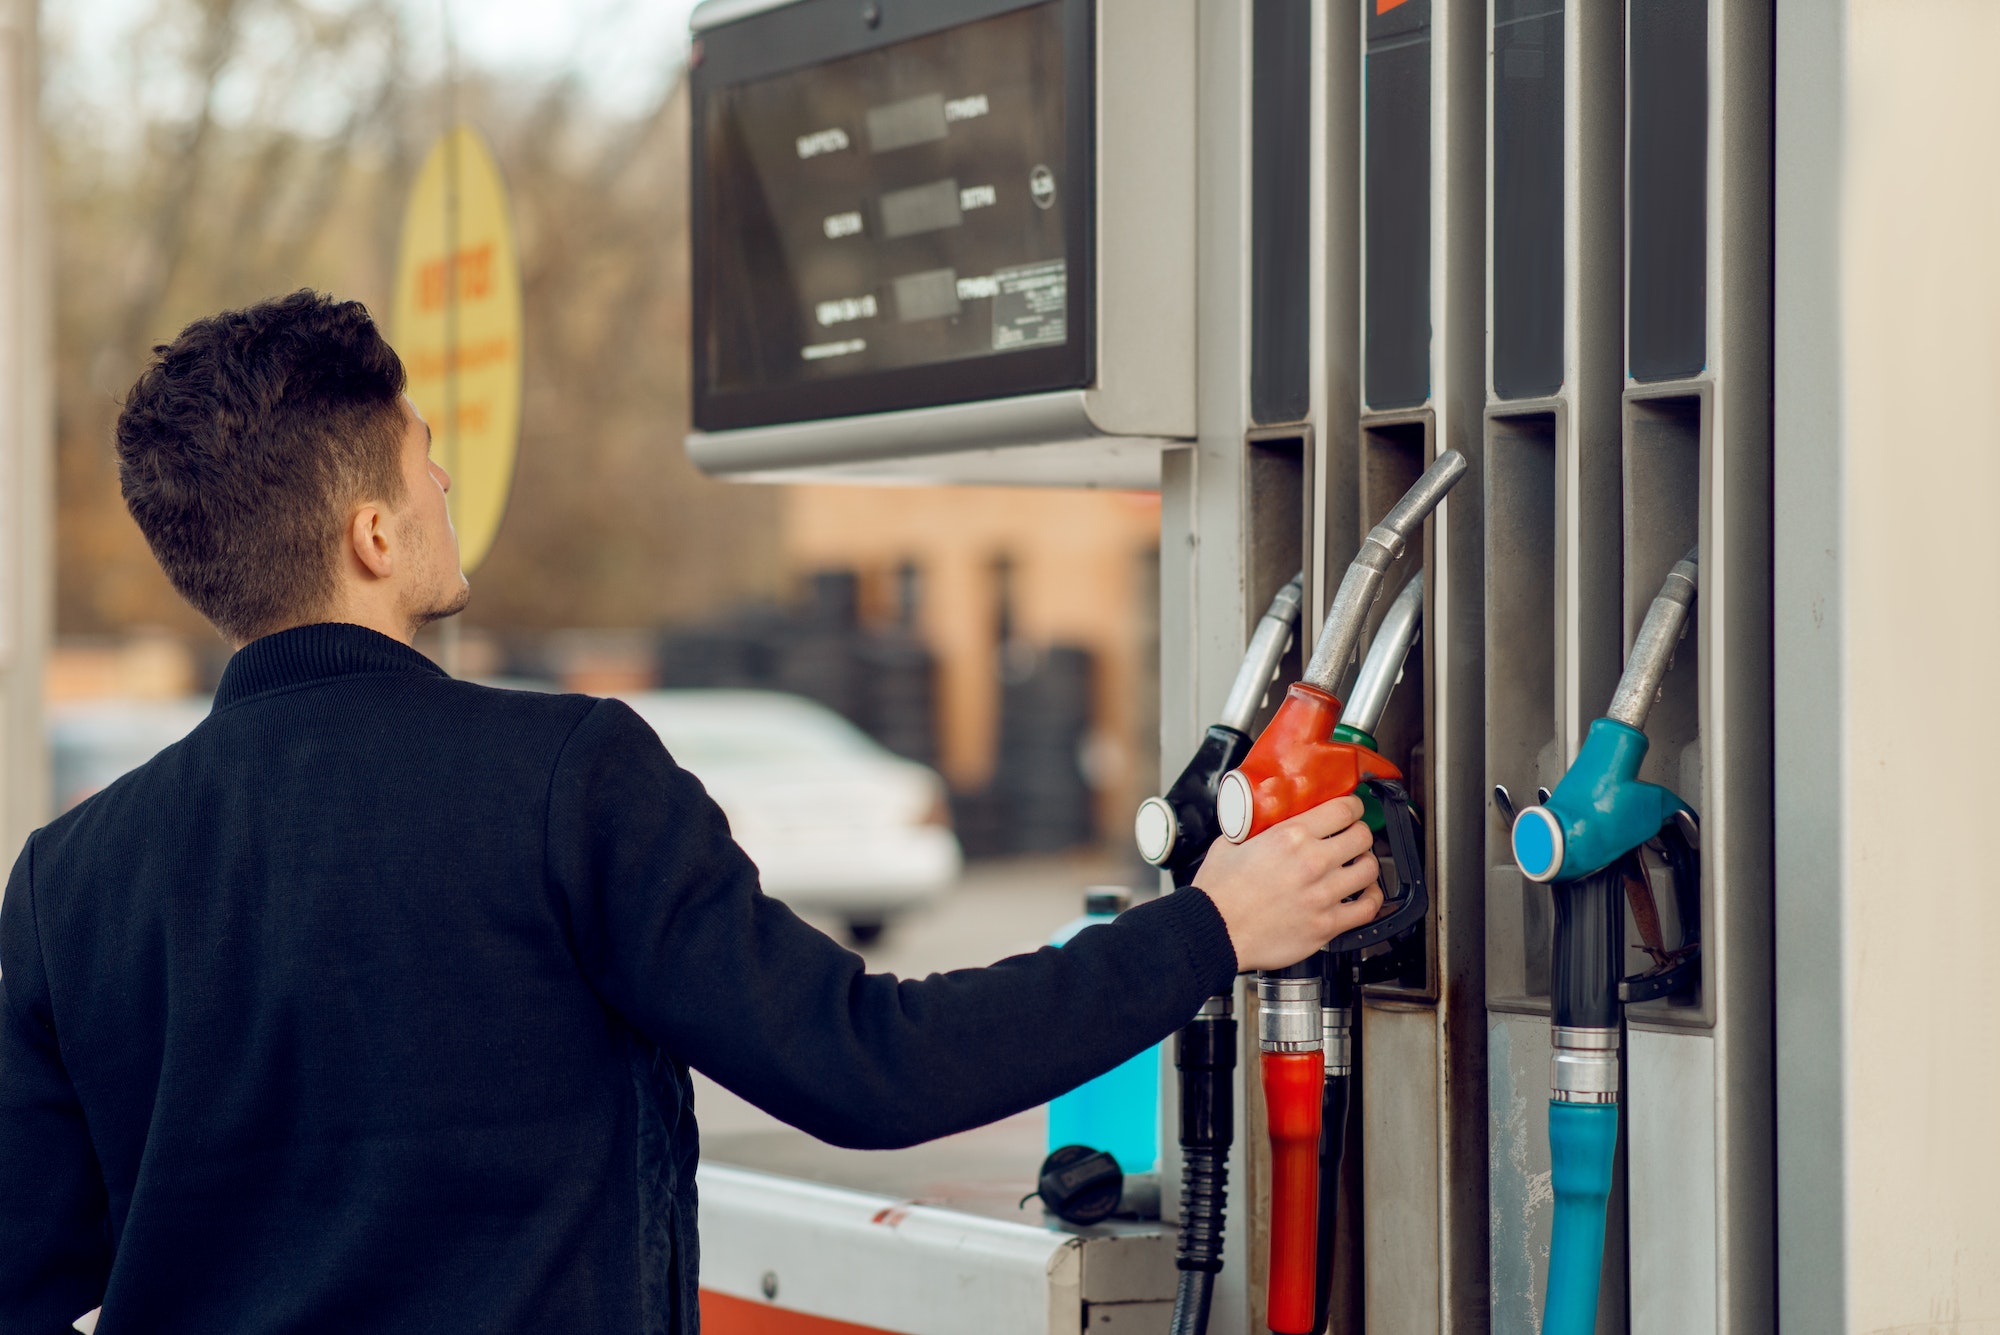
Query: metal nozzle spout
1382,667
1654,649
1260,661
1379,550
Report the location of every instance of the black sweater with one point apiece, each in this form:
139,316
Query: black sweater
369,1005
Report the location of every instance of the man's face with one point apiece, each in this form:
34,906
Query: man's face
437,587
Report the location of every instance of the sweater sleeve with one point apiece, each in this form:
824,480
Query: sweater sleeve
672,928
55,1254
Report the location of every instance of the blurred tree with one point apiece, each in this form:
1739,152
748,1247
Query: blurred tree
266,145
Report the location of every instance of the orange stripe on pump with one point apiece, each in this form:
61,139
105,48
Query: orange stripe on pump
1384,6
722,1314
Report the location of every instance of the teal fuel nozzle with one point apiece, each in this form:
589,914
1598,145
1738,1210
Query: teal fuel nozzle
1598,813
1601,811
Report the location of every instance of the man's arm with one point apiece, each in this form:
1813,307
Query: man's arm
671,926
55,1252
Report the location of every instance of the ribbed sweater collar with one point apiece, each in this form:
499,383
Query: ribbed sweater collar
314,653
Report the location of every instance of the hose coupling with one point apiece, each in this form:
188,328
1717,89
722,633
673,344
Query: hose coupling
1204,1208
1288,1015
1583,1067
1336,1027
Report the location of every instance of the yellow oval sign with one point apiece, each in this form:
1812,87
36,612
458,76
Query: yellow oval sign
457,326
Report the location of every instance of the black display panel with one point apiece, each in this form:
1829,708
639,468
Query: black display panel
1280,210
892,213
1527,197
1396,218
1667,79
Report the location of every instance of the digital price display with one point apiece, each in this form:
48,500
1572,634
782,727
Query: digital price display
890,215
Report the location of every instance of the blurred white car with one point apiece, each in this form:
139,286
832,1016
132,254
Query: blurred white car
837,824
92,742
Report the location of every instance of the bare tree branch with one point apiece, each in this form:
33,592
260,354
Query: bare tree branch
168,237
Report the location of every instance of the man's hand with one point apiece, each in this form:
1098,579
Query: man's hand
1286,893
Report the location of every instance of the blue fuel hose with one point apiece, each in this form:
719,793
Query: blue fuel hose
1579,840
1583,1141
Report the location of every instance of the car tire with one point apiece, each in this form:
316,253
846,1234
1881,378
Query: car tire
864,931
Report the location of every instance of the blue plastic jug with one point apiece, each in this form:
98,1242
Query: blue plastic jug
1119,1111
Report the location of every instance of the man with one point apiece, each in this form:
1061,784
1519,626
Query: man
370,1005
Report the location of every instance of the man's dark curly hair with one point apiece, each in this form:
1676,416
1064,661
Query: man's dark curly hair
243,445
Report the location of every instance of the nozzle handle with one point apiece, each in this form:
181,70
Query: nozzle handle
1363,581
1653,651
1260,660
1297,763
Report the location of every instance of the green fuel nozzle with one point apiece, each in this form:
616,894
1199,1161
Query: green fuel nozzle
1381,670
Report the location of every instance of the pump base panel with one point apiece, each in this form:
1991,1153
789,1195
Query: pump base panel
783,1255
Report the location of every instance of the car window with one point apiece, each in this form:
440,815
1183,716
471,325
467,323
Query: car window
783,733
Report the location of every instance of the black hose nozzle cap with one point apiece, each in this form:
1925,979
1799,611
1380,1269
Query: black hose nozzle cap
1081,1185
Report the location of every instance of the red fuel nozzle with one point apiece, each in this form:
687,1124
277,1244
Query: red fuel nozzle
1295,766
1292,1092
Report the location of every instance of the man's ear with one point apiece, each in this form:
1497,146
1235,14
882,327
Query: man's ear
368,540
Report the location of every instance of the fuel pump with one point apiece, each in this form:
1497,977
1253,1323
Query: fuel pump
1585,841
1297,763
1174,832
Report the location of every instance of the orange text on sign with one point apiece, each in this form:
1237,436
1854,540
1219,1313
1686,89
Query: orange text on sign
474,269
475,416
470,357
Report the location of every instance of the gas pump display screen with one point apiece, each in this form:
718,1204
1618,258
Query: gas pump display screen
892,215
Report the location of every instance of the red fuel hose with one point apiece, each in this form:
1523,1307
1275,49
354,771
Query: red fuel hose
1293,1085
1295,765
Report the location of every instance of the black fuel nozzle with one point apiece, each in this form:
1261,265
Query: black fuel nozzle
1174,830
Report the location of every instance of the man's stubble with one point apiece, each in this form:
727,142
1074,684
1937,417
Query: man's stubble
444,596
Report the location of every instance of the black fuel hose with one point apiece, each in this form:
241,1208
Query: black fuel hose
1192,1297
1337,982
1333,1138
1205,1057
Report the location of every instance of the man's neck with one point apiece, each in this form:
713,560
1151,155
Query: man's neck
356,612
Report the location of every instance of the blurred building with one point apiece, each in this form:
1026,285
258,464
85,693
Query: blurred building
1010,584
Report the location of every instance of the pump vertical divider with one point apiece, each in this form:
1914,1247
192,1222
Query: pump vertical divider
1332,484
1697,466
1277,525
1553,552
1278,409
1421,1110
